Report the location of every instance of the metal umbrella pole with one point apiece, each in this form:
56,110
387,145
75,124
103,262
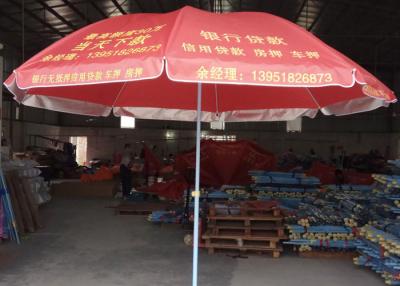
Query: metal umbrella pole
196,193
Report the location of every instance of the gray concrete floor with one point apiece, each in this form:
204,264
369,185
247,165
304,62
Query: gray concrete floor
85,244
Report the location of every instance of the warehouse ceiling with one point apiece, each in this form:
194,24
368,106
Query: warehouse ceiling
368,31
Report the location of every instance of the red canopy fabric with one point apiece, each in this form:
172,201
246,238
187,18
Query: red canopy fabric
226,163
249,63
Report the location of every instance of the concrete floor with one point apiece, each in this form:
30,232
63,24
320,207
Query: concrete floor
84,243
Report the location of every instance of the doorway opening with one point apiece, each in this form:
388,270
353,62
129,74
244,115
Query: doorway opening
81,148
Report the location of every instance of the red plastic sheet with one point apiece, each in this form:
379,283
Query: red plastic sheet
172,190
326,174
103,174
152,164
357,178
226,163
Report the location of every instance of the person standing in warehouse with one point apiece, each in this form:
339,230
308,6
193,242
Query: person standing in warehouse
126,172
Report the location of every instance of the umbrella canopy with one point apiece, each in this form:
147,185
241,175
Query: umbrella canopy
249,63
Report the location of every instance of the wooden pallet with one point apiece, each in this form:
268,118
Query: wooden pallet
244,209
248,225
260,212
247,211
252,230
266,239
259,235
276,252
258,229
247,219
253,222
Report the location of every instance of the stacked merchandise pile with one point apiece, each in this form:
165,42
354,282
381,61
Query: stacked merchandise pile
379,242
184,213
319,226
245,226
354,202
394,166
387,189
330,220
380,250
30,178
179,213
288,188
233,192
321,237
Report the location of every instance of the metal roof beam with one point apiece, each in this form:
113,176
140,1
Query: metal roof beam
296,17
321,11
76,11
56,14
233,6
101,12
119,7
36,17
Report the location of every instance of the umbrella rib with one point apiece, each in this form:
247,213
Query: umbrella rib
118,95
312,96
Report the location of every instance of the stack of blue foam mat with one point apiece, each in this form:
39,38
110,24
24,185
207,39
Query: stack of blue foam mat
226,192
289,189
260,173
349,188
235,192
216,195
265,178
284,195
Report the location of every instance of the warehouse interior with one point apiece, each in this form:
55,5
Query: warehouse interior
89,235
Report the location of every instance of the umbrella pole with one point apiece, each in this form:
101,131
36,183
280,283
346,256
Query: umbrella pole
197,191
